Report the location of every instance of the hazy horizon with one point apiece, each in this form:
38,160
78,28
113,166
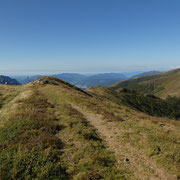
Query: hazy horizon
53,72
31,73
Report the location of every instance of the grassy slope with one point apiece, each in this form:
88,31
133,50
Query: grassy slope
144,132
44,137
85,152
29,147
162,84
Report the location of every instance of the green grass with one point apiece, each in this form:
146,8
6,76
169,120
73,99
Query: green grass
45,138
30,149
157,138
8,93
157,142
88,157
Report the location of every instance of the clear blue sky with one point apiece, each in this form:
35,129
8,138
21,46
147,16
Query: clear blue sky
42,36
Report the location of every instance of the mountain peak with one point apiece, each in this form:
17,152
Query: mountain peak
55,81
49,80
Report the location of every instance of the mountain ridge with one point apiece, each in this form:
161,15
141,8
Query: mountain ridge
7,79
146,74
82,81
162,84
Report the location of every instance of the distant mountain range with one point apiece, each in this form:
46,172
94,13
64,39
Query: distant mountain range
26,79
161,84
87,81
146,73
100,80
10,81
82,81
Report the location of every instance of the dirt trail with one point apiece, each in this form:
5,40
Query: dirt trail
142,166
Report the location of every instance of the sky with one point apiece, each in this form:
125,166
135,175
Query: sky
88,36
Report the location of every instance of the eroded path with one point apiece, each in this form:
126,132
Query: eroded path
142,166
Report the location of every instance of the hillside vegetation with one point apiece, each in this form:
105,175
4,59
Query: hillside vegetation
150,104
162,84
50,129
